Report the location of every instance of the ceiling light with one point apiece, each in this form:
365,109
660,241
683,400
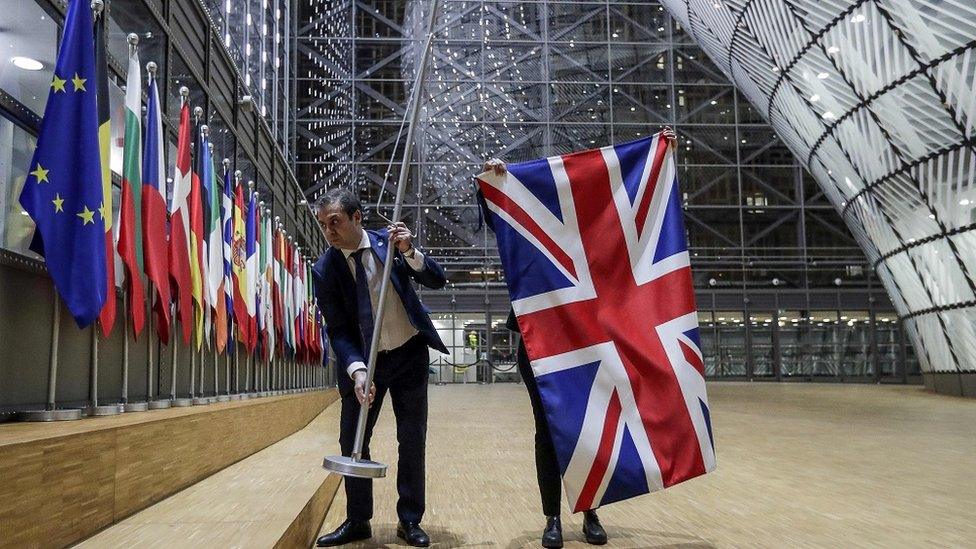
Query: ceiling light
823,75
964,202
814,98
27,63
858,18
833,49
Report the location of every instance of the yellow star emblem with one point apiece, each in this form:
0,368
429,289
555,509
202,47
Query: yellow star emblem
58,203
101,211
87,216
40,174
58,84
79,82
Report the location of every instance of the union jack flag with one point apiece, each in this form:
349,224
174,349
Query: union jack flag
596,261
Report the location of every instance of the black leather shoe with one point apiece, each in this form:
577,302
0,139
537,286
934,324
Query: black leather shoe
347,532
413,534
552,536
592,529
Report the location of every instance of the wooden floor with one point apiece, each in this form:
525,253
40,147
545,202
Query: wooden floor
799,465
253,503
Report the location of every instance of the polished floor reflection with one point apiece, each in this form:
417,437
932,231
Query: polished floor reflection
799,465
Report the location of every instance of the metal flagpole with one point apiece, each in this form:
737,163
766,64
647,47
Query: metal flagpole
50,411
353,465
93,408
179,402
154,403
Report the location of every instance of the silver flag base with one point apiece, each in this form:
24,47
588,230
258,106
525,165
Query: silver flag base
351,467
182,402
160,404
66,414
135,407
104,410
223,398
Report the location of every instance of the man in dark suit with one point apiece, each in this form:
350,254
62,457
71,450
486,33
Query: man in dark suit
347,280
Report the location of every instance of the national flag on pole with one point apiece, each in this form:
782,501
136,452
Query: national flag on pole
214,247
63,189
130,218
197,236
259,274
107,316
154,233
227,232
251,265
179,238
267,253
239,260
599,235
276,282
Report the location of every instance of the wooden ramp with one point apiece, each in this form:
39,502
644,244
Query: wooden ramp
277,497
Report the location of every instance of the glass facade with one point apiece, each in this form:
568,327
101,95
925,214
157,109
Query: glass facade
189,58
876,99
529,79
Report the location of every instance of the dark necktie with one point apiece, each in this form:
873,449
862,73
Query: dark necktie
365,305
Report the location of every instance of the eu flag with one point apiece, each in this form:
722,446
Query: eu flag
63,192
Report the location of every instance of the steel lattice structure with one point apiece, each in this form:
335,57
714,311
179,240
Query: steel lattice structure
876,98
528,79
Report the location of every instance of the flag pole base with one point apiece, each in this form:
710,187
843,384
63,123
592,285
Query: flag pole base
235,396
135,407
182,402
223,398
351,467
201,401
160,404
66,414
103,410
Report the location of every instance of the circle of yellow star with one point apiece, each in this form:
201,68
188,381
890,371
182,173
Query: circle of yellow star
40,174
79,82
58,84
87,216
101,211
58,203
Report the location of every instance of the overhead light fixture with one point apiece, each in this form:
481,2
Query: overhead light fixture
823,75
27,63
858,18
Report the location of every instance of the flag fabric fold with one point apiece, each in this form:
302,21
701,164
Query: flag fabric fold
154,232
599,234
63,189
179,238
105,212
130,218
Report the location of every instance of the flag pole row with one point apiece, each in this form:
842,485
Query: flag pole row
209,261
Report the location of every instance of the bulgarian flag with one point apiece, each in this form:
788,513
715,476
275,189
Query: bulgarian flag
276,282
107,315
154,235
179,238
130,223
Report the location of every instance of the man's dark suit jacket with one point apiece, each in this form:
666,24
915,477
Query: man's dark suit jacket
335,289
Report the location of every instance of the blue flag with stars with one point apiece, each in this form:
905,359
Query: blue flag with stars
63,191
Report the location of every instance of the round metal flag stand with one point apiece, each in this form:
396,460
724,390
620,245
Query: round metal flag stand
354,465
50,411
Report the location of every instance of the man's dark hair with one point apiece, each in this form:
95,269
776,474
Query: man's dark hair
346,199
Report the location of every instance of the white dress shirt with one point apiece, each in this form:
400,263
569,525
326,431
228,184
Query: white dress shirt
397,328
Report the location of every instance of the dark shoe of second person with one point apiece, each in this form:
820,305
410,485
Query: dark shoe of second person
347,532
413,534
592,529
552,536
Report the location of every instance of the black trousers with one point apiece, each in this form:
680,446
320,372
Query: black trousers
401,372
546,465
